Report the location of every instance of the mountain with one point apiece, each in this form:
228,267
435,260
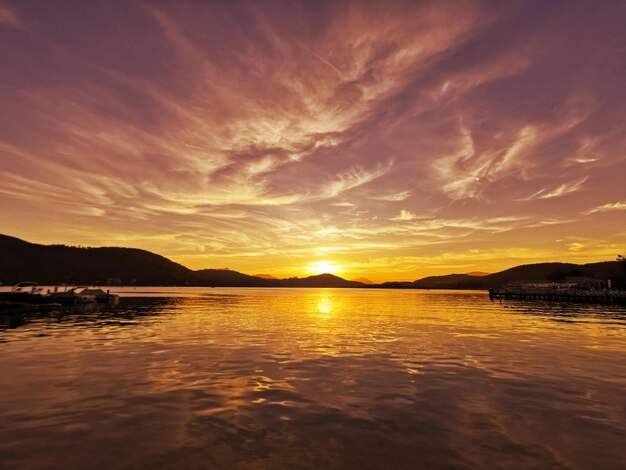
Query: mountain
56,264
450,281
321,280
8,242
555,272
548,272
228,278
363,280
265,276
396,285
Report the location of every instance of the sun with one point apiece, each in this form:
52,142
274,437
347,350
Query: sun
323,267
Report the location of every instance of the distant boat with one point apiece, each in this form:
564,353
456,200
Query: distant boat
25,295
101,296
82,295
71,296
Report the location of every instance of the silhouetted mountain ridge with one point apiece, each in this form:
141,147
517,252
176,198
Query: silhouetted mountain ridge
56,264
228,278
547,272
450,281
320,280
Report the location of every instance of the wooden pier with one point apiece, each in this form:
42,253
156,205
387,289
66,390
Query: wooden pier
598,296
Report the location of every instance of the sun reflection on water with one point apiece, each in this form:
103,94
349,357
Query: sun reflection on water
272,372
325,306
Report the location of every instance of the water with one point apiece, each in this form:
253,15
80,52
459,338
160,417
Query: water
314,378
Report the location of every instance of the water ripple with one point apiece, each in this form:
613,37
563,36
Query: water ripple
314,378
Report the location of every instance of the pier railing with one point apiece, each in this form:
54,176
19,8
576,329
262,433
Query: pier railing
604,296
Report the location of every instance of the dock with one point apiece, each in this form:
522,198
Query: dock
552,294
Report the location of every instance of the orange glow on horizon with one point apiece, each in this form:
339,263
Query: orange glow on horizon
348,139
323,267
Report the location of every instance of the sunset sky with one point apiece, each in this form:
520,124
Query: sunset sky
388,140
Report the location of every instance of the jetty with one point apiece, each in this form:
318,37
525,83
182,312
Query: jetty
27,296
559,293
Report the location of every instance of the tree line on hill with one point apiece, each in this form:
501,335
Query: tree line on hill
59,264
540,272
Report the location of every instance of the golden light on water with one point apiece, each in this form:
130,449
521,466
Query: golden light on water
223,361
325,306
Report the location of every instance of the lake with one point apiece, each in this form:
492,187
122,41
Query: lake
314,378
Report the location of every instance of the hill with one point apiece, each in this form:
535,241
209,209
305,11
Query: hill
321,280
548,272
56,264
228,278
556,272
450,281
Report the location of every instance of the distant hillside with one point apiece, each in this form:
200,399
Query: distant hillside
321,280
227,278
363,280
450,281
526,273
396,285
58,264
556,272
55,264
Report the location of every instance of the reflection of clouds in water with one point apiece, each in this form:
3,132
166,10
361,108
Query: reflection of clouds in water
318,378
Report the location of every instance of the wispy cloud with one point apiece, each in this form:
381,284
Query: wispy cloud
560,190
405,216
253,133
466,173
393,197
353,178
609,207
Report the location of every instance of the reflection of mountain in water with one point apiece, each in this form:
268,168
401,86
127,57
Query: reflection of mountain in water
352,378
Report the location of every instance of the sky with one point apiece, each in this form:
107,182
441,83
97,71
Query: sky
387,140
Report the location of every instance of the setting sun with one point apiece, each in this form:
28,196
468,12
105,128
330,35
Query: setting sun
323,234
323,267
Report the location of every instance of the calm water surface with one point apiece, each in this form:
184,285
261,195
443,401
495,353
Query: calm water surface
314,378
